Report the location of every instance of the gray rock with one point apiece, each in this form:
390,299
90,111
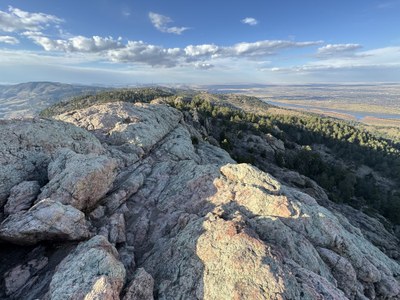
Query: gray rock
142,125
22,197
342,270
202,226
117,229
127,257
79,180
20,275
91,271
27,145
127,188
98,212
46,221
141,287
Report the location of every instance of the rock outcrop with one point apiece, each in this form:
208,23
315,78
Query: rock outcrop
26,148
155,212
46,221
79,180
91,271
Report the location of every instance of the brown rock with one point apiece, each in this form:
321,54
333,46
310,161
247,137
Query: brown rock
141,287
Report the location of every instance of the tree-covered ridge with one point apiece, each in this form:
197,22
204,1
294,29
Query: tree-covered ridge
348,143
127,95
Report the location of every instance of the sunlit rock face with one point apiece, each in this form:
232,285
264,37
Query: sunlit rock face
117,201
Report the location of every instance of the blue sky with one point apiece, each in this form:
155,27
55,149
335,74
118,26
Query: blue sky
200,42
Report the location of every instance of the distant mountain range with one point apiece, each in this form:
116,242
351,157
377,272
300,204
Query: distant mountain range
27,99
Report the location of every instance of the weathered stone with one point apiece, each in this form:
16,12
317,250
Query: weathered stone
201,225
102,289
79,180
117,229
141,287
121,123
19,276
237,265
342,270
127,257
22,197
98,213
27,145
127,188
46,221
91,271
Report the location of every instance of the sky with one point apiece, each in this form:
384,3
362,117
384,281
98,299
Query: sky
200,42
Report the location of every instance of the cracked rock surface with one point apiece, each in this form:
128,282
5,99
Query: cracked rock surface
130,208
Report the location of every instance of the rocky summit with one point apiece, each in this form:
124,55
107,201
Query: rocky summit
129,201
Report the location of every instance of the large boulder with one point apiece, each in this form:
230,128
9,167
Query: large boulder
91,271
80,180
46,221
26,147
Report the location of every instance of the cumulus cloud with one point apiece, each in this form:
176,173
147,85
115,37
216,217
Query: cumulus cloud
337,49
199,52
249,21
8,39
140,52
18,20
77,44
155,55
161,23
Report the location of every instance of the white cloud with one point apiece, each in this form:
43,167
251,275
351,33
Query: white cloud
18,20
249,21
381,58
266,47
338,49
161,23
155,55
77,44
194,52
8,39
203,66
140,52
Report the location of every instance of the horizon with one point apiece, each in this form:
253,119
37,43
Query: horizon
205,86
121,43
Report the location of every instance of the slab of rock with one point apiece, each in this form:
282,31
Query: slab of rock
91,271
22,196
141,287
293,223
46,221
118,123
27,145
79,180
